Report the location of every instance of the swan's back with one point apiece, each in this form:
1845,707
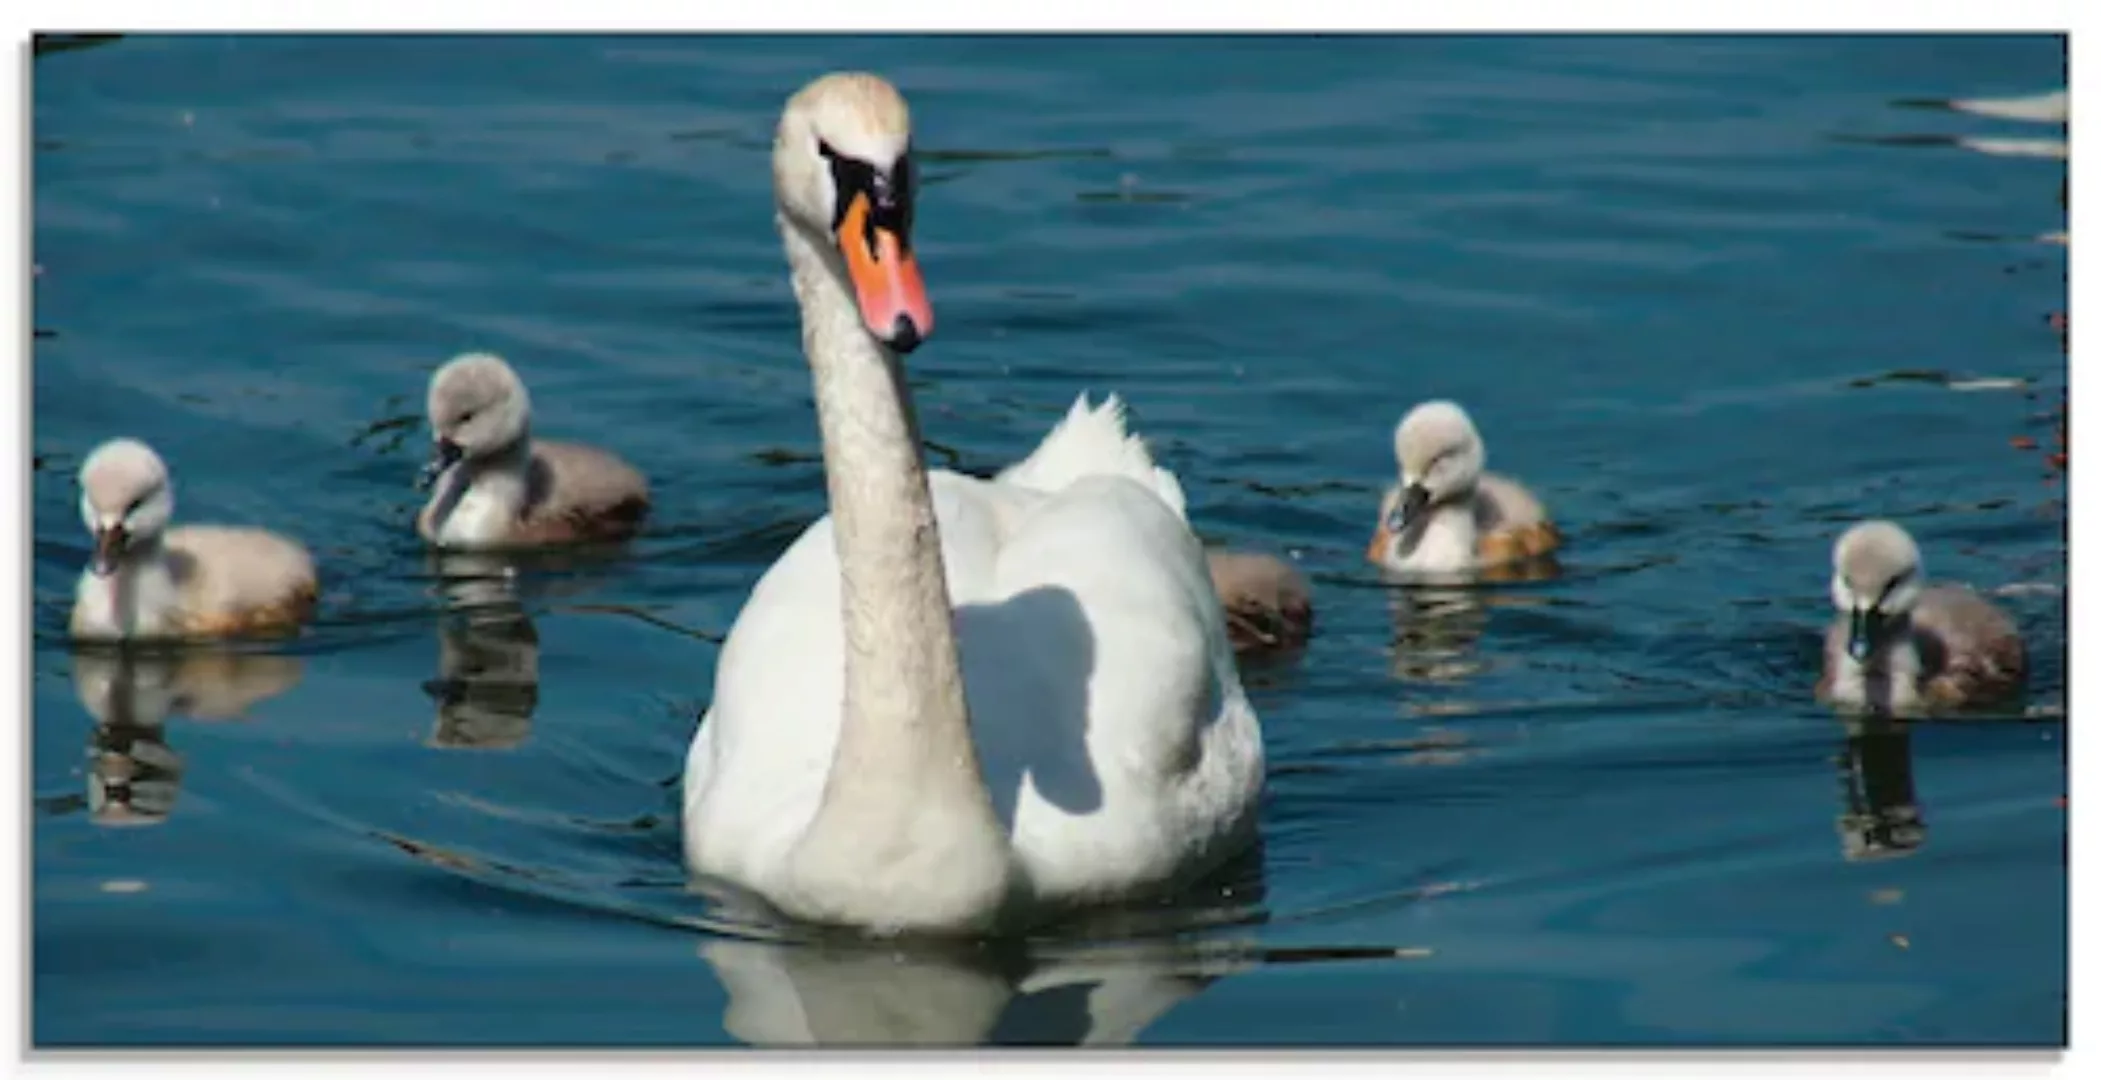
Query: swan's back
1093,440
1112,731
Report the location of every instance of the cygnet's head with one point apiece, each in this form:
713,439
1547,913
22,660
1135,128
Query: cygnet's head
125,500
1876,577
843,175
1440,456
477,408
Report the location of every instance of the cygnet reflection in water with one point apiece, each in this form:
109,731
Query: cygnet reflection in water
1435,633
133,775
1880,818
1437,630
488,681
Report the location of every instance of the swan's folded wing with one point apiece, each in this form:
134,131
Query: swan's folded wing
1110,720
1093,440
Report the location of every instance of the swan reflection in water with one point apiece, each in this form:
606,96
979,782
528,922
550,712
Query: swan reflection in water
1880,817
488,681
1102,982
133,775
862,995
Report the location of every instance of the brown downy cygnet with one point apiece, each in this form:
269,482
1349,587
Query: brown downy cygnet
1267,603
1903,647
150,581
1447,515
497,486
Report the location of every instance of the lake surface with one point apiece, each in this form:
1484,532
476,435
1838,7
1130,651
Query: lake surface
1713,298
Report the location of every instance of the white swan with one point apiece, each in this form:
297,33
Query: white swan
956,704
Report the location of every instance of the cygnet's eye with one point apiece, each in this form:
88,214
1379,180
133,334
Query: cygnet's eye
466,417
1890,588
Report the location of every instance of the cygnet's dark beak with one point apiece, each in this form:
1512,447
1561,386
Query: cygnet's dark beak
109,548
1414,501
1860,638
444,454
1405,513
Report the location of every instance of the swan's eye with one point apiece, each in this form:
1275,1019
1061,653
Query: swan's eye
850,178
889,194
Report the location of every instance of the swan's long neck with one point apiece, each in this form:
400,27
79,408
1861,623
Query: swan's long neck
904,782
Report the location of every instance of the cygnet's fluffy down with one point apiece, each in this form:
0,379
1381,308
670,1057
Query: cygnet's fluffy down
1268,605
147,580
1447,514
497,486
1902,647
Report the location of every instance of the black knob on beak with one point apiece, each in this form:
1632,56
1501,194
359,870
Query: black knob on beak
904,336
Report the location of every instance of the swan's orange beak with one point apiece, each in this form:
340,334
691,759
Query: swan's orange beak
886,279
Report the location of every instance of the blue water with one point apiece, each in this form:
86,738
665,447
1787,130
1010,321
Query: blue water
1712,298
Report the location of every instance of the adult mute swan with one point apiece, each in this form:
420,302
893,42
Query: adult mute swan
956,705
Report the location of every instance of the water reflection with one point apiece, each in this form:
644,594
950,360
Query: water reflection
1437,625
1099,978
1880,817
133,775
841,994
1435,634
488,682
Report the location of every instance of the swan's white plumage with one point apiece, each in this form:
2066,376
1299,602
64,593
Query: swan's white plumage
1094,440
957,704
1120,752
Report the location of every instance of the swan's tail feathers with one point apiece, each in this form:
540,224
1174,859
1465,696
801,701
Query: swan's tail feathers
1092,441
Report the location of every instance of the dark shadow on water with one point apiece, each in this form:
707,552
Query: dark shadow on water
1936,377
43,45
133,775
